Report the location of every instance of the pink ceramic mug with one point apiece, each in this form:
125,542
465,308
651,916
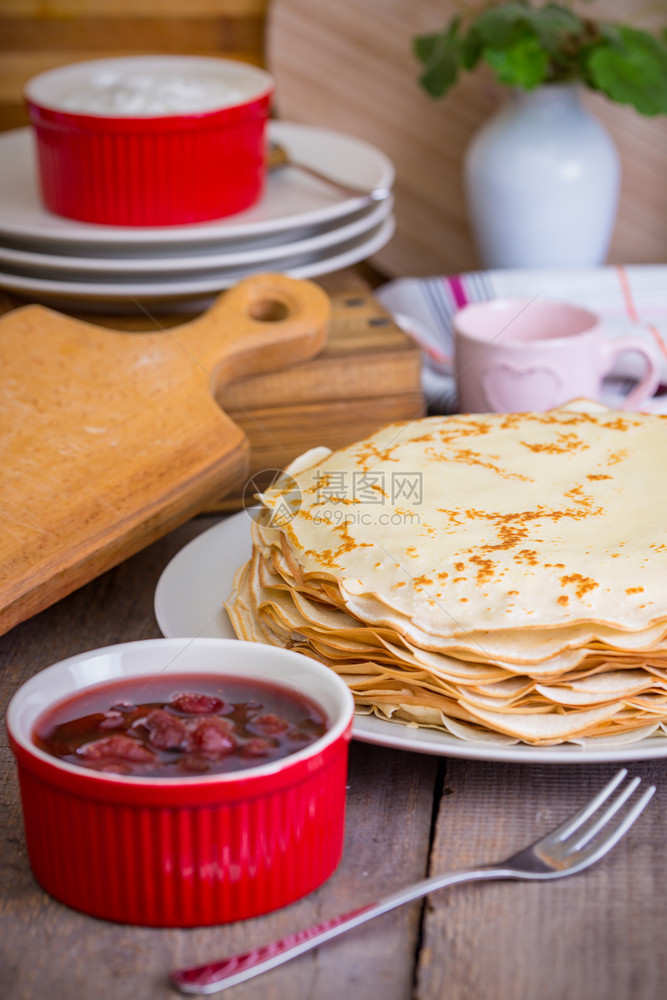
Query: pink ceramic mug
516,355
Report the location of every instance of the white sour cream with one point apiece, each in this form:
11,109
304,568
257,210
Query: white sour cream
143,94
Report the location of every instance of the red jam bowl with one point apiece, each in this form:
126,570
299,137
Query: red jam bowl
189,150
194,850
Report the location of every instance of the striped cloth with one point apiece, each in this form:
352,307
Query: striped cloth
632,301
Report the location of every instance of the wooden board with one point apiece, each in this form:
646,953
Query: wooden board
110,437
589,936
367,375
348,65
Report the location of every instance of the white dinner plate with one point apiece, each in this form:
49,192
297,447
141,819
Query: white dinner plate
163,295
61,267
189,602
292,201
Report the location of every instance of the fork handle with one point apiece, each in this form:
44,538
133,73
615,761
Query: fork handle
216,976
352,190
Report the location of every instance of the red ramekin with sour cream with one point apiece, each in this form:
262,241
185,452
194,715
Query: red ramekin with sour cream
150,140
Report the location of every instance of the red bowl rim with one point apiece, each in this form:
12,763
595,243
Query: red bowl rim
257,779
48,107
43,117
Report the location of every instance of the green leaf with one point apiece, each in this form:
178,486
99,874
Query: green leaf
632,70
527,45
555,25
610,33
524,65
424,46
441,55
498,26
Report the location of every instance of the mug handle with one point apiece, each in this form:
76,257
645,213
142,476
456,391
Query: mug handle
650,380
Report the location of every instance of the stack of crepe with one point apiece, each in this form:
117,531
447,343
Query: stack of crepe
502,578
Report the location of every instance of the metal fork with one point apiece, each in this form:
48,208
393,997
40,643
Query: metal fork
571,847
278,156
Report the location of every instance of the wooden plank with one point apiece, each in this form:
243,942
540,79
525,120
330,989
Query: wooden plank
56,9
597,935
368,375
278,435
133,34
366,356
13,114
49,950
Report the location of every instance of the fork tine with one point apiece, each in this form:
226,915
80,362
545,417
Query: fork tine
609,812
614,833
572,824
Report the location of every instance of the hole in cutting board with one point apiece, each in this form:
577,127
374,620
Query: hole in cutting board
268,311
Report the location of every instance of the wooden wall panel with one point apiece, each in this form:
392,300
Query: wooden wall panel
58,9
348,65
36,35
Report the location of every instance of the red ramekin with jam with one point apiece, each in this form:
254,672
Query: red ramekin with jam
182,782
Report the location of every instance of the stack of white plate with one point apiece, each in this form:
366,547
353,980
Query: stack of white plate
302,227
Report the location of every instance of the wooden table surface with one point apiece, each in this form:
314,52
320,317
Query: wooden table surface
596,936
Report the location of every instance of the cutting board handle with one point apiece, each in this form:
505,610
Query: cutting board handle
111,437
262,323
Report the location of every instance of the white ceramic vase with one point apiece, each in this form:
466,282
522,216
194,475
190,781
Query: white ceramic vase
542,178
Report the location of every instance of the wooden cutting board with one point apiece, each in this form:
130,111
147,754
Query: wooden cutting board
111,438
368,375
348,65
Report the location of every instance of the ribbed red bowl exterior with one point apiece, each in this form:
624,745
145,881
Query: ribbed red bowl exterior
161,171
184,855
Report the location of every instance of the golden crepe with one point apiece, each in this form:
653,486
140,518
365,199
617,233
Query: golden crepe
499,577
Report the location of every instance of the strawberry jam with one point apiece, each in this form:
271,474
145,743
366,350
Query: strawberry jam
172,727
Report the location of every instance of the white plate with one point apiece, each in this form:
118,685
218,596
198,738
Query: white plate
61,267
162,295
189,602
293,201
